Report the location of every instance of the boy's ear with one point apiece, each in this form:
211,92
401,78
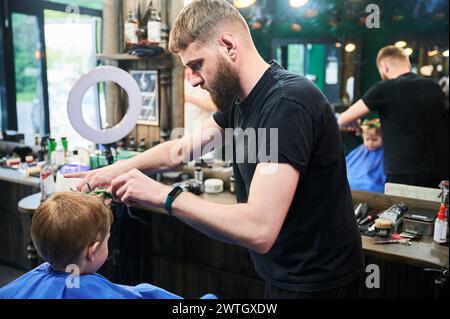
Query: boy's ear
91,251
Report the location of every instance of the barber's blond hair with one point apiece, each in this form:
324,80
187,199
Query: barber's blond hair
200,21
66,223
392,52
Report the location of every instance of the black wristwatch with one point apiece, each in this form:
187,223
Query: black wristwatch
174,193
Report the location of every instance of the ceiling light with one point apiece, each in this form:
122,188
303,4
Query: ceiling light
445,53
427,70
297,3
243,3
256,25
338,44
350,47
401,44
432,53
312,13
409,51
296,27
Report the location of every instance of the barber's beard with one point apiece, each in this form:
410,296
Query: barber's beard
225,86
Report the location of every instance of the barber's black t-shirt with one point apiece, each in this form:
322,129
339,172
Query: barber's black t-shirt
412,117
319,245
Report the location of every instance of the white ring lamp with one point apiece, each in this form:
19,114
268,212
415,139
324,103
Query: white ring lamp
76,95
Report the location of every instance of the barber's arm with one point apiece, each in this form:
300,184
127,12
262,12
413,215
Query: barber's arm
162,157
354,112
255,224
204,103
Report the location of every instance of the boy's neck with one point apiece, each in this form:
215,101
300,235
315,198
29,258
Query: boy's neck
79,268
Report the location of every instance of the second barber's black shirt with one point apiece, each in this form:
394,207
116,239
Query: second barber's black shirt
412,114
319,245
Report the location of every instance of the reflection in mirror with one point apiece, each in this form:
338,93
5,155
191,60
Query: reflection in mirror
320,62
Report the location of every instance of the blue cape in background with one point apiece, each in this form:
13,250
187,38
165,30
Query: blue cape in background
365,169
45,283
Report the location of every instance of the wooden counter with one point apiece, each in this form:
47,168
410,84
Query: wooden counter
423,253
15,227
168,253
12,176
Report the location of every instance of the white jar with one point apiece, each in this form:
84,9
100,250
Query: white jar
213,186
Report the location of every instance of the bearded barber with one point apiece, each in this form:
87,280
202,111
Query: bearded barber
295,215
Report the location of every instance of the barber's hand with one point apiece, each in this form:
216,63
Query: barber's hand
135,188
354,126
98,178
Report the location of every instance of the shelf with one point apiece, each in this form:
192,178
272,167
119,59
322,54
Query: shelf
130,57
128,61
118,57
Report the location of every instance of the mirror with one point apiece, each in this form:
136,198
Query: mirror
322,63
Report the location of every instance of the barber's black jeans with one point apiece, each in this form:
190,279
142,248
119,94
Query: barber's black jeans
431,180
352,290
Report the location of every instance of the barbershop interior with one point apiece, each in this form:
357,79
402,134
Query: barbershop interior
97,95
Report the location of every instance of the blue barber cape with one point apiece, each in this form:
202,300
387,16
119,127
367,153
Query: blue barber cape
365,169
45,283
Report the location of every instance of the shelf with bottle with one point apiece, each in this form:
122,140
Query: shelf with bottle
144,30
159,62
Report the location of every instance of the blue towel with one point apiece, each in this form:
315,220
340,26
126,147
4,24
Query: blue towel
45,283
365,169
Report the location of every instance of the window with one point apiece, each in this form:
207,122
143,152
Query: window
27,68
71,46
44,49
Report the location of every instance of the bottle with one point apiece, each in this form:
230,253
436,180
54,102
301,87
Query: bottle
37,140
74,159
24,169
144,21
154,26
59,155
47,182
198,175
132,144
46,176
42,149
120,145
131,30
440,226
65,145
198,187
141,147
51,147
232,185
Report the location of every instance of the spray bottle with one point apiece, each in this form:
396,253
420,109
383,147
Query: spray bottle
440,225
